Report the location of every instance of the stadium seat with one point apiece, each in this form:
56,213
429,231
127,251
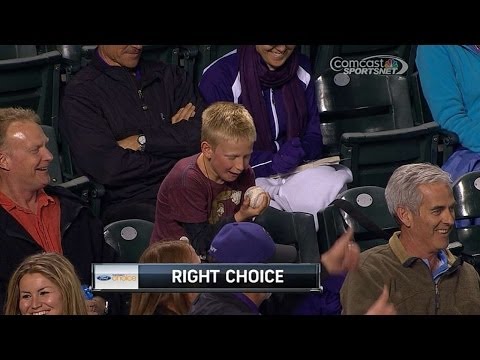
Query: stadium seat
466,191
17,51
373,157
89,191
206,54
360,103
129,238
368,121
292,228
71,60
448,141
55,168
324,53
32,82
368,200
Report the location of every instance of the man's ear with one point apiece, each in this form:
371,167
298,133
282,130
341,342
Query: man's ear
4,161
207,149
405,216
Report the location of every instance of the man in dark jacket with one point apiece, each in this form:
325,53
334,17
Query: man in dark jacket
35,217
127,122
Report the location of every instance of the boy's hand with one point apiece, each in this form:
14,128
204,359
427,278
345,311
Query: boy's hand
246,212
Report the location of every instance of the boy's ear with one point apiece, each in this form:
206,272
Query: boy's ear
207,149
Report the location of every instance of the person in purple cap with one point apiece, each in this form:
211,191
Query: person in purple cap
246,242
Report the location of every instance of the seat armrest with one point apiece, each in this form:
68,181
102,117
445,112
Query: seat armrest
358,137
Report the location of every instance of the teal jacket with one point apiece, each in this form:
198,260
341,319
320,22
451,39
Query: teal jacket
450,78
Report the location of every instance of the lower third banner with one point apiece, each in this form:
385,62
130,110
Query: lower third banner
206,277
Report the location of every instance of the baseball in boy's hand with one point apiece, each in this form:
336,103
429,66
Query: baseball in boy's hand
254,193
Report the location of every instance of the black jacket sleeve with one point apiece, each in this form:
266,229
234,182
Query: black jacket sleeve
183,138
97,112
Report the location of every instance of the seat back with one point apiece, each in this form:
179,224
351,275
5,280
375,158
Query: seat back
129,238
168,54
419,103
55,168
360,103
325,53
373,157
370,201
205,55
466,191
32,82
17,51
292,228
71,60
89,191
448,141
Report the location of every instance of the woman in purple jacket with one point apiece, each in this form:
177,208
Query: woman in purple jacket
274,83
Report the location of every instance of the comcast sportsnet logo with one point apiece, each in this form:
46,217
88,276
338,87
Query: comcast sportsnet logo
372,65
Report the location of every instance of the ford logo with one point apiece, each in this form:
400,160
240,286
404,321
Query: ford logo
104,277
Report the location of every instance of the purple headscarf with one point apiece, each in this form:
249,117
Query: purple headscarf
254,74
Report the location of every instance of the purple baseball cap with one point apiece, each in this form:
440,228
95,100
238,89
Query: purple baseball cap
248,242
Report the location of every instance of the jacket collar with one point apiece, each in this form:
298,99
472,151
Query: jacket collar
407,260
70,204
119,73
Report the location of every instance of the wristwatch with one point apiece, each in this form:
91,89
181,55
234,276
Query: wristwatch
142,140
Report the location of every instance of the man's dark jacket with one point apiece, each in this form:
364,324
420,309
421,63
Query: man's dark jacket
81,234
103,104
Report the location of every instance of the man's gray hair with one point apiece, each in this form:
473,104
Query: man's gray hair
402,188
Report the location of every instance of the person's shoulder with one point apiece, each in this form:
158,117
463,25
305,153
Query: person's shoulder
64,195
169,73
375,255
248,172
226,64
187,163
246,178
218,304
86,74
184,171
438,52
470,269
83,81
160,66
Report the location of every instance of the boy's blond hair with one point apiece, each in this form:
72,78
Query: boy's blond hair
227,121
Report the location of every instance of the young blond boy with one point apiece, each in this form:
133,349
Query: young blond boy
205,191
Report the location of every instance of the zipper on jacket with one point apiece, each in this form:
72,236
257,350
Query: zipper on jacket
437,298
140,96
